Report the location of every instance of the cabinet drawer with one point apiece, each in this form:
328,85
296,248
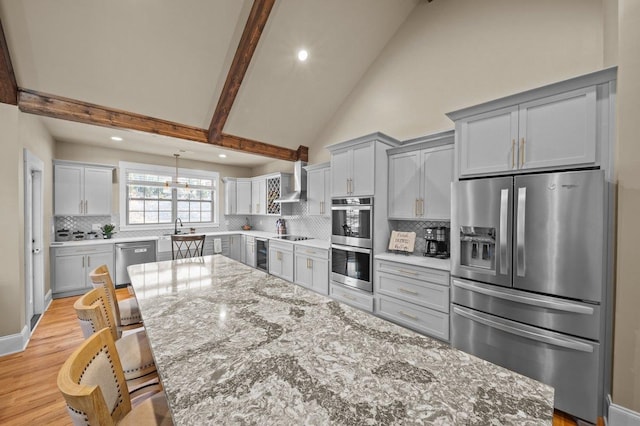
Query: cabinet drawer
427,321
433,296
310,251
416,272
279,245
351,297
98,248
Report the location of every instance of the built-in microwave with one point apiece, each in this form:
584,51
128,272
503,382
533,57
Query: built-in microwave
352,266
352,221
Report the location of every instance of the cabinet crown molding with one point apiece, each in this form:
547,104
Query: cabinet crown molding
598,77
377,136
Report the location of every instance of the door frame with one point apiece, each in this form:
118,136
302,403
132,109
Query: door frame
33,213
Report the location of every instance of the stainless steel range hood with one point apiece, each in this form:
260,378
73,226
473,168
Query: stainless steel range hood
299,190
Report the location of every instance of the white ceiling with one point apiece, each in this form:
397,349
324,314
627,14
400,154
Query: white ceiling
169,59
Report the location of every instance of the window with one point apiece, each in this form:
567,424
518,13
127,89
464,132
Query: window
148,200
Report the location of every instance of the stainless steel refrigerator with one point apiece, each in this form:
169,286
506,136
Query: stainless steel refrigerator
528,271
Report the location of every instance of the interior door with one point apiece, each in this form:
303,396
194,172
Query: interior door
559,234
481,239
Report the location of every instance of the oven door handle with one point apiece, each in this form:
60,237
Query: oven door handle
351,248
354,207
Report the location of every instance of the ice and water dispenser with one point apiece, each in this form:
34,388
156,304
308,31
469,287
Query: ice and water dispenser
478,247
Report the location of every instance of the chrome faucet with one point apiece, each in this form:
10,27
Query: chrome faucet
175,227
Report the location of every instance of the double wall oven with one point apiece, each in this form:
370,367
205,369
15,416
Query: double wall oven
351,242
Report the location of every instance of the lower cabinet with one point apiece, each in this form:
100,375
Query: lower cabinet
312,268
351,296
281,259
235,247
71,267
413,296
250,251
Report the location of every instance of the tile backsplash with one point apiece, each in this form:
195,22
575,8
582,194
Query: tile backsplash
297,223
418,228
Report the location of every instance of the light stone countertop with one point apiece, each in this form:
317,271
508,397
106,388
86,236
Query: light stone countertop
317,243
234,345
427,262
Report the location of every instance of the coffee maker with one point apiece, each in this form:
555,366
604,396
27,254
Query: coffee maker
437,242
431,241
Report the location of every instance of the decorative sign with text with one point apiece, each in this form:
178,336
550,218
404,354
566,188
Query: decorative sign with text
402,241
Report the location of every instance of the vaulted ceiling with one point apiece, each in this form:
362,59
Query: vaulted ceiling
222,73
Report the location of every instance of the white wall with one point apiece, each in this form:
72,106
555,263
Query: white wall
451,54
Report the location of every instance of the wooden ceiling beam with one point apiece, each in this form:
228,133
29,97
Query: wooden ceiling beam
47,105
8,85
246,47
83,112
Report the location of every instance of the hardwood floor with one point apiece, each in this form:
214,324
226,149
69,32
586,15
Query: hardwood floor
28,391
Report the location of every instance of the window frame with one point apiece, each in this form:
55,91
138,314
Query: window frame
127,167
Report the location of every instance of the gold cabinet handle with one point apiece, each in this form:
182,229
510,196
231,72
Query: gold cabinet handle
405,290
346,296
404,271
421,207
86,206
415,208
513,153
522,152
413,317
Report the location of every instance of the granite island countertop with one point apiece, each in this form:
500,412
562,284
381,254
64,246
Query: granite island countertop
234,345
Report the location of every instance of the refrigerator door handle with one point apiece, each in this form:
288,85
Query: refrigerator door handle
504,206
539,337
520,232
533,301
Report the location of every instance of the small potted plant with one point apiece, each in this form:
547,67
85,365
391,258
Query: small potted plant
107,230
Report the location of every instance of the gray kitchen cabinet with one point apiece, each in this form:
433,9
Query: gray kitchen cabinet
354,171
235,247
259,196
250,251
319,189
82,190
71,267
230,196
312,268
413,296
351,296
281,262
556,126
420,175
243,196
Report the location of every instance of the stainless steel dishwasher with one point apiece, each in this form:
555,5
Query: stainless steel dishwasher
132,254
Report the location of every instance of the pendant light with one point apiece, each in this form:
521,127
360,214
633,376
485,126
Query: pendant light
175,183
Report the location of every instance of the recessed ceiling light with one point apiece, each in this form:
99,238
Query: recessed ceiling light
116,138
222,155
302,55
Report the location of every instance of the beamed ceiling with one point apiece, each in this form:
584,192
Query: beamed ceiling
203,76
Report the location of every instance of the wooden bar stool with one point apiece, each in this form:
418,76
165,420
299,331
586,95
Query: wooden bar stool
94,314
183,246
126,312
93,384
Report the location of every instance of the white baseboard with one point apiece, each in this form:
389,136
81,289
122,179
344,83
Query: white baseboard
18,342
48,298
621,416
14,342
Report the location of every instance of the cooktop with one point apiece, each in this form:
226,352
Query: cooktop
292,237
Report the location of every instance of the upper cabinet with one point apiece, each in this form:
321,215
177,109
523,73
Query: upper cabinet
259,195
420,175
82,190
256,196
557,126
319,189
353,165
